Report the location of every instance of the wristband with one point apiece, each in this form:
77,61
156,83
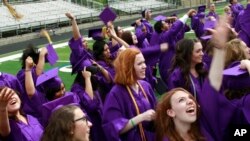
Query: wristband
132,123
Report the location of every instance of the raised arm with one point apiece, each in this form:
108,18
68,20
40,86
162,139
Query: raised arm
112,33
29,84
220,35
41,61
75,29
88,85
5,96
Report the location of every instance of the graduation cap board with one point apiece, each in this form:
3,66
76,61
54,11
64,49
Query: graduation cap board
52,56
79,66
107,15
201,8
49,107
234,71
160,18
96,33
47,76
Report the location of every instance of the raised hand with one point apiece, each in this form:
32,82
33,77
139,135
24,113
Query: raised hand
5,96
70,16
86,74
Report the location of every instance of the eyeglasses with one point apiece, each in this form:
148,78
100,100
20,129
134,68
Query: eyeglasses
84,118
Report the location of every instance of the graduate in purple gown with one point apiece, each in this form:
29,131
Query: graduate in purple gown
79,47
177,118
217,112
86,87
146,17
212,12
36,70
243,24
197,24
187,70
13,123
166,34
128,109
67,123
236,8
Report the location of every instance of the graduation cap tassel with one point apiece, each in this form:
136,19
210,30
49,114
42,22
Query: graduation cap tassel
46,34
12,10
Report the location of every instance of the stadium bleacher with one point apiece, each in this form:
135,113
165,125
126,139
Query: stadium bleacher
40,14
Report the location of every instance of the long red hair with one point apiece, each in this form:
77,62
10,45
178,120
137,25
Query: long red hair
165,126
124,67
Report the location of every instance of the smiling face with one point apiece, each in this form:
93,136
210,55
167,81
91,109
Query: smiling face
140,66
14,104
184,109
82,126
197,54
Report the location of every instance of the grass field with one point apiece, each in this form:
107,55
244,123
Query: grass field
14,65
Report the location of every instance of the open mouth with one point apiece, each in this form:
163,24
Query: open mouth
191,110
13,102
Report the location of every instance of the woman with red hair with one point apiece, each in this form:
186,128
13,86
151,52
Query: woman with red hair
128,110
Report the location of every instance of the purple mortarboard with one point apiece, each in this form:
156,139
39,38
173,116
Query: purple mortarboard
201,8
209,24
160,18
234,71
52,56
49,107
47,76
80,65
96,34
107,15
206,37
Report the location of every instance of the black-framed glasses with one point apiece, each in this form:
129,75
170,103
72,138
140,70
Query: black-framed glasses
84,118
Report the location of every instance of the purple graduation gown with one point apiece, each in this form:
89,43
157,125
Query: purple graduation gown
176,79
105,86
197,25
149,28
119,108
216,112
243,25
236,8
93,109
142,37
25,132
78,53
166,57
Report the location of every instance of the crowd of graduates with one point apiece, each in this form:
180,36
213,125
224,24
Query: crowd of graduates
204,82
